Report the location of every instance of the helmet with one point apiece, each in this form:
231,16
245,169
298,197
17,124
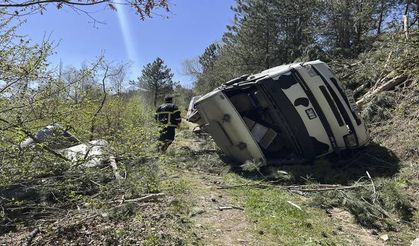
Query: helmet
168,99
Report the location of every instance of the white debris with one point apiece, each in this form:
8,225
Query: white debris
384,237
91,153
66,144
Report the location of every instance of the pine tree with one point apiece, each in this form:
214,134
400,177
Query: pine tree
349,27
270,33
207,59
156,80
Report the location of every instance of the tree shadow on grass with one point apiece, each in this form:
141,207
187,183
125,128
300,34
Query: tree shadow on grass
43,198
14,200
334,169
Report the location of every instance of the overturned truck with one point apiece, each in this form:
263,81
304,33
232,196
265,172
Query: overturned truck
286,114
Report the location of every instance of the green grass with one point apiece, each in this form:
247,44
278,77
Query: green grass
282,223
279,220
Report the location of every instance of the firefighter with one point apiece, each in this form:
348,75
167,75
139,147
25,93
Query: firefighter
168,115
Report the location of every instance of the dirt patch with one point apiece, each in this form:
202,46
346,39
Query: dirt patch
219,218
354,233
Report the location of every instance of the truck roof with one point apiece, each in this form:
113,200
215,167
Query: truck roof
276,71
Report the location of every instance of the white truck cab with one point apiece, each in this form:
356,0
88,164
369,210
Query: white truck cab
286,114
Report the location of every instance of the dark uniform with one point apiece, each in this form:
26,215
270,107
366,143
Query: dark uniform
168,115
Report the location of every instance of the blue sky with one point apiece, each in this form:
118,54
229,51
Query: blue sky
182,34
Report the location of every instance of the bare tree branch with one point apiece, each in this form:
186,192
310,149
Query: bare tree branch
142,7
29,134
92,127
37,2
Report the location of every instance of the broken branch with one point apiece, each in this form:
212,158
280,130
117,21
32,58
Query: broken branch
373,186
142,199
112,163
331,188
386,86
31,236
295,205
29,134
229,207
92,127
301,188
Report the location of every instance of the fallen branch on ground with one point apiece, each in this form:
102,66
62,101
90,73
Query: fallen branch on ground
384,87
229,207
141,199
31,236
331,188
373,187
271,183
322,187
242,185
295,205
112,163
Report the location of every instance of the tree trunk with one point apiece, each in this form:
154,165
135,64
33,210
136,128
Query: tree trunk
406,19
155,97
267,57
380,19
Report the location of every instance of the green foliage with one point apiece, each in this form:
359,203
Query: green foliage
279,219
19,60
380,208
157,80
206,60
80,100
132,131
347,26
152,241
182,97
390,55
380,108
270,33
224,67
207,79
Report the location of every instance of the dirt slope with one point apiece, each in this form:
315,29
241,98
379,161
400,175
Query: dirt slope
217,225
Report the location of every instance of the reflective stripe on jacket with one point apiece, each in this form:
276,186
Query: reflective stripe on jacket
168,114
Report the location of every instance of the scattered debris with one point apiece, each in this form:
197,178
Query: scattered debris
114,166
31,236
373,187
89,155
387,85
54,136
295,205
415,242
146,198
196,211
64,144
384,237
298,188
229,207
